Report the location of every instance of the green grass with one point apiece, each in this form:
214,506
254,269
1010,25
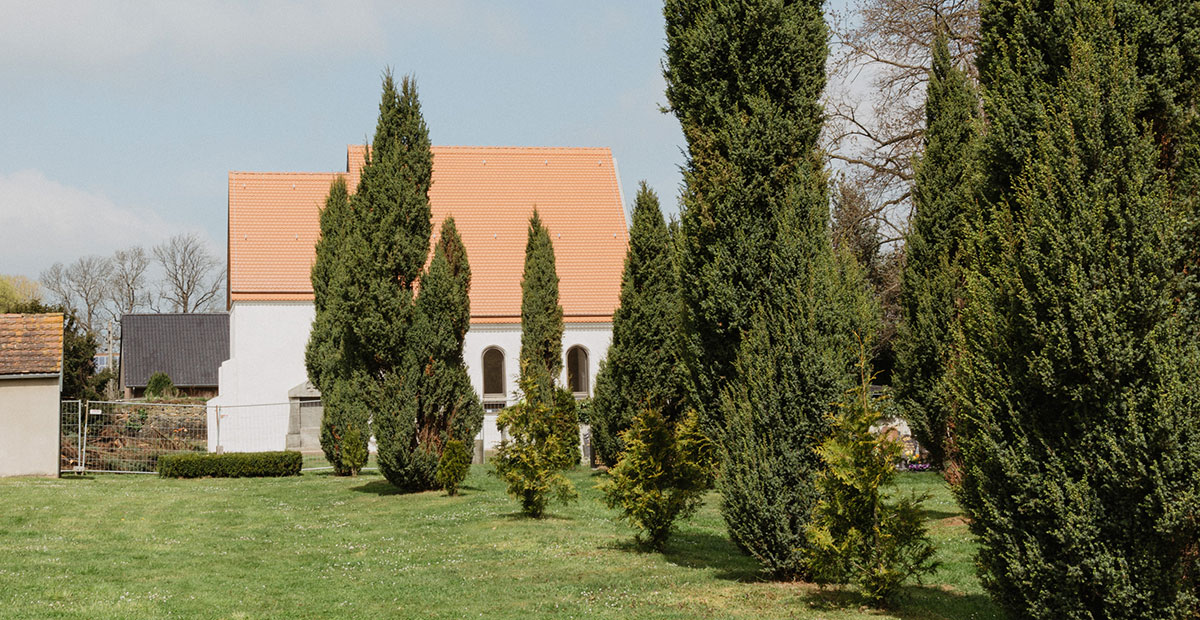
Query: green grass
318,546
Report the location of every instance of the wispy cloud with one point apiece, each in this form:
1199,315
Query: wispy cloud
43,222
92,40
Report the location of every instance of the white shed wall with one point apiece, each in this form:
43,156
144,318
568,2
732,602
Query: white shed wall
29,427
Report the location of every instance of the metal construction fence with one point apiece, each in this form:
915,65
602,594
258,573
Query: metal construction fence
120,436
129,436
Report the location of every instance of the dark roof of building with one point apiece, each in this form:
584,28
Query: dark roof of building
31,344
188,347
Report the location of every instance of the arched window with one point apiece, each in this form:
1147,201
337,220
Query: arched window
493,373
577,370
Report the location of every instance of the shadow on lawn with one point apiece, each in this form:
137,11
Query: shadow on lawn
691,549
914,603
382,487
928,514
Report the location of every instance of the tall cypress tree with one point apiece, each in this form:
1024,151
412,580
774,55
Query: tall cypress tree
446,404
1077,421
930,284
541,316
333,356
393,203
641,368
769,311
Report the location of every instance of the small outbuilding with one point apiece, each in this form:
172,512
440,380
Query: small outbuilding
31,366
189,348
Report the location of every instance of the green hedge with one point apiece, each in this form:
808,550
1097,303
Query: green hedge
230,465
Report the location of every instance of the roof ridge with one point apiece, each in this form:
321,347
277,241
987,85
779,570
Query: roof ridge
312,172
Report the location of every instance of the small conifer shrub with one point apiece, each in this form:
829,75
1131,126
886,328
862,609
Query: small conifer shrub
661,475
858,535
160,386
539,448
354,452
454,466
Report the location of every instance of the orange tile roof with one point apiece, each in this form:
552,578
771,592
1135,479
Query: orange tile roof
274,223
31,344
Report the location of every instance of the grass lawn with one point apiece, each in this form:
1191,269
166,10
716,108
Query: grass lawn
318,546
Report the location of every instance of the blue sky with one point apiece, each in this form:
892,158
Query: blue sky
122,119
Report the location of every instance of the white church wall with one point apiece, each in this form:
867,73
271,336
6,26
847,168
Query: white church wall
266,359
266,345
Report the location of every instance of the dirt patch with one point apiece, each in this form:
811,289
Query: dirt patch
958,521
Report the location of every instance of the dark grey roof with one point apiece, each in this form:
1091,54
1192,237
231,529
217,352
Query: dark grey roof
188,347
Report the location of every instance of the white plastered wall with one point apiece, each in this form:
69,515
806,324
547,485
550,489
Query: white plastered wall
266,359
29,427
593,337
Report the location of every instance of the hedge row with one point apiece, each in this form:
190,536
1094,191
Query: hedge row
230,465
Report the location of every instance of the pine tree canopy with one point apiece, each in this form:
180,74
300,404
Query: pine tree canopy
451,245
640,370
447,405
930,286
1024,51
541,315
1078,423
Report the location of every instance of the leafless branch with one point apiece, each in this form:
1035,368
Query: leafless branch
128,289
192,278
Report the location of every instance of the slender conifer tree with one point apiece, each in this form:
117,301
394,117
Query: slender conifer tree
641,369
392,203
334,356
942,200
541,315
769,311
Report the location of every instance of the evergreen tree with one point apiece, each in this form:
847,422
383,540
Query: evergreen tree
1078,424
640,370
662,475
863,533
769,311
450,243
930,285
1023,54
333,356
391,206
542,443
541,316
447,406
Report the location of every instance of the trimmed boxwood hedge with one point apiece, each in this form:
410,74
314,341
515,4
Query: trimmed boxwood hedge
230,465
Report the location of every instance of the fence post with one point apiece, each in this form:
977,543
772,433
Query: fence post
79,467
220,450
83,431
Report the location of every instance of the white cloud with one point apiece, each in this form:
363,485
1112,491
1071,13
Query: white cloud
91,40
43,222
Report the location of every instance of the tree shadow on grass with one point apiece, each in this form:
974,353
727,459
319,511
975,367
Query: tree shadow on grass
913,603
928,514
382,488
691,549
546,517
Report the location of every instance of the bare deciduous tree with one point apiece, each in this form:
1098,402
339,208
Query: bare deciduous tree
82,285
876,133
192,278
128,287
54,280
